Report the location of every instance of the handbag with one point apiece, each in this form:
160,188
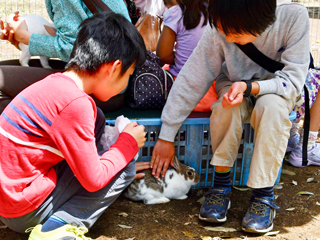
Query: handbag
272,66
149,27
149,85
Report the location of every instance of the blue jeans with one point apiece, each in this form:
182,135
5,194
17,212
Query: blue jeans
70,201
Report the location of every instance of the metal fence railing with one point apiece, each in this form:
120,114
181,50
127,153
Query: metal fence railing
38,7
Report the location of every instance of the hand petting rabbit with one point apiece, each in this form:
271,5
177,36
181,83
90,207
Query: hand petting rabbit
175,185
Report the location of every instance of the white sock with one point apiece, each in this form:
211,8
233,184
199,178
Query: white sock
313,136
294,129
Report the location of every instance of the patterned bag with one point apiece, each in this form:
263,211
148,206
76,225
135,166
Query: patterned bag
149,85
312,83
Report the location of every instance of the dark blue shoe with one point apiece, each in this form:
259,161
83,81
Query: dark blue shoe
259,217
216,205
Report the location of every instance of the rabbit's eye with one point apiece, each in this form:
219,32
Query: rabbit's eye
190,173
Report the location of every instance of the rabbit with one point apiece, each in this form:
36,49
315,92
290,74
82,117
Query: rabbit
175,185
39,25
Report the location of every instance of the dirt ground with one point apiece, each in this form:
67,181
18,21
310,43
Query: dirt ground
178,218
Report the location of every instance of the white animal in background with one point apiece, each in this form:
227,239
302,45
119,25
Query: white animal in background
175,185
39,25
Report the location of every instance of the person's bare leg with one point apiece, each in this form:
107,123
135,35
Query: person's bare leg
315,115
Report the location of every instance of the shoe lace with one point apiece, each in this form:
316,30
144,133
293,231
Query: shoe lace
215,198
258,208
79,232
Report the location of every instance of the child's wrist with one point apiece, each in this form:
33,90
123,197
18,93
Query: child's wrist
23,37
247,88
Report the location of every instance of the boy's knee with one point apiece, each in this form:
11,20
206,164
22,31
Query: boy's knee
274,103
217,107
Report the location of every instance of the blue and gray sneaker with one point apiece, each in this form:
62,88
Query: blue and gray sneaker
216,205
260,215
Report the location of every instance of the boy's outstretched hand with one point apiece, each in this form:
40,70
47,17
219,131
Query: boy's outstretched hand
162,155
235,95
141,166
137,132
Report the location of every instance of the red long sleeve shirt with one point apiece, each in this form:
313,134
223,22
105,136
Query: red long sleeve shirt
47,122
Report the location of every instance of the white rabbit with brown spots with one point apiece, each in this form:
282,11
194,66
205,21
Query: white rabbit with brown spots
175,185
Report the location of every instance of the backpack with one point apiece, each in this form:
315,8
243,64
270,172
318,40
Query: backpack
149,85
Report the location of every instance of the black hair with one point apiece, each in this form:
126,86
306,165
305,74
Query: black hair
104,38
192,10
242,16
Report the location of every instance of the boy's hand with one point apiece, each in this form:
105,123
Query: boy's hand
235,95
137,132
162,155
141,166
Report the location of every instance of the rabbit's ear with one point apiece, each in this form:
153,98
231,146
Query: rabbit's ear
51,30
176,164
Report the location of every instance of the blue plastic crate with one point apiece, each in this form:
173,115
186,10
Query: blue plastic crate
193,148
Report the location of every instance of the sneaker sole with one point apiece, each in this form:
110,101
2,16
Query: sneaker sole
253,230
215,220
298,163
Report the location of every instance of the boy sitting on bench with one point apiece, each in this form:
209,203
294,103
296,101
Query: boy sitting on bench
279,32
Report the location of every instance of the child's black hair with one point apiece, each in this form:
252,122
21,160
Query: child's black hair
192,10
104,38
242,16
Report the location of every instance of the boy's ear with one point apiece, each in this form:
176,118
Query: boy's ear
116,66
112,69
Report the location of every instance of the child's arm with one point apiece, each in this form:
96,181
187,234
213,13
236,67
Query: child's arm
166,45
19,29
67,22
289,81
73,133
137,132
192,83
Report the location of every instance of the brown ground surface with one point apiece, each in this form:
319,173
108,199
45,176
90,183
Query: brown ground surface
178,218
